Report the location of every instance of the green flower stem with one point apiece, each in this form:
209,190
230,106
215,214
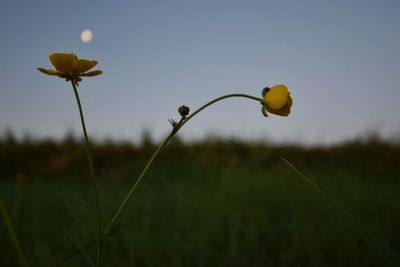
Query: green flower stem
214,101
135,185
91,168
175,129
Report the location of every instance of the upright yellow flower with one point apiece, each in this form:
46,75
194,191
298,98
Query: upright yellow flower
70,67
277,100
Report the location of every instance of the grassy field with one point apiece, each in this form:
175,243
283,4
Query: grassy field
223,204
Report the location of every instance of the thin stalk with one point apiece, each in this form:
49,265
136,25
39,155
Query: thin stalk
91,168
14,238
82,250
175,129
113,231
135,185
214,101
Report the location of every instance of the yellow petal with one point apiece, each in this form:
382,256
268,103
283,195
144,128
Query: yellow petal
84,65
64,62
276,97
92,73
49,72
284,111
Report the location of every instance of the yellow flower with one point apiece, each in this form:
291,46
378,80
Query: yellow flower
277,100
70,67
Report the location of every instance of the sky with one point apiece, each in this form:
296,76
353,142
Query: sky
339,59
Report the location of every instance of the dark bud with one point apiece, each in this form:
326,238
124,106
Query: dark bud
183,110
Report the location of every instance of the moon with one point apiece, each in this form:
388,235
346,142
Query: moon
86,36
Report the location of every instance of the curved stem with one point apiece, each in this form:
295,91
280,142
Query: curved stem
91,169
161,146
216,100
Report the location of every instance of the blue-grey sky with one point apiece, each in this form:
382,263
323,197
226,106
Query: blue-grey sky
340,60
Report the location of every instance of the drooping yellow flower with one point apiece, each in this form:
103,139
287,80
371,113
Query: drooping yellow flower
277,100
70,67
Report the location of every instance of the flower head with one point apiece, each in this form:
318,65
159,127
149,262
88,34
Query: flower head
277,100
70,67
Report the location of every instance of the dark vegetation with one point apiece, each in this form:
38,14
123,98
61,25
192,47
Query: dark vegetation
230,203
66,159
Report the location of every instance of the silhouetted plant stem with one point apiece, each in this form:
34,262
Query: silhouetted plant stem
91,169
175,129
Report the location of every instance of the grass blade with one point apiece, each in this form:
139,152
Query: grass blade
14,238
79,247
382,246
113,231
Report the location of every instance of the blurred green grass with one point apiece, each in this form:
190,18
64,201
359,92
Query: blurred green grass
230,203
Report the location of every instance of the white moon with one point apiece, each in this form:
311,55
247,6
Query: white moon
86,36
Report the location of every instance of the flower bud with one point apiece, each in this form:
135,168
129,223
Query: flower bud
183,110
277,100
